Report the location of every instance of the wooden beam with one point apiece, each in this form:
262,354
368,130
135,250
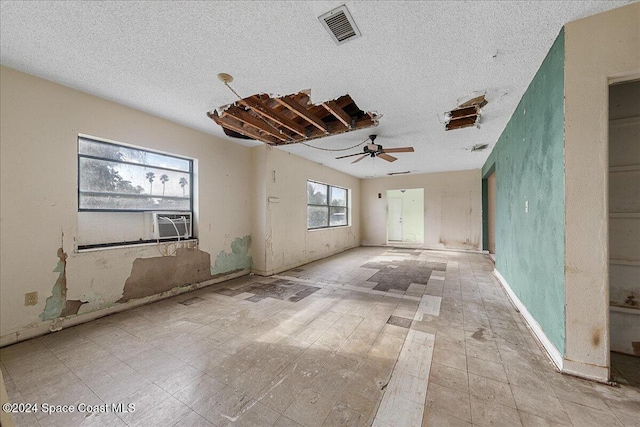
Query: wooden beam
269,113
244,117
459,113
239,127
362,123
344,100
338,112
480,101
299,110
461,123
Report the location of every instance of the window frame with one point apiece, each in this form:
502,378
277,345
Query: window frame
328,205
132,147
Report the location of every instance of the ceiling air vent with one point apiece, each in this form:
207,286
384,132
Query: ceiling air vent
340,24
479,147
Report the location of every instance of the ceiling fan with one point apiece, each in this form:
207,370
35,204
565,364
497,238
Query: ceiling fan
376,150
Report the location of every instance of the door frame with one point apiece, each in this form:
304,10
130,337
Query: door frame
389,217
485,206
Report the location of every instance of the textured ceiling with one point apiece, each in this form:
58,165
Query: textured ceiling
414,61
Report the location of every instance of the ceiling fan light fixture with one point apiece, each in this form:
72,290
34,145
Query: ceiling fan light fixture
376,150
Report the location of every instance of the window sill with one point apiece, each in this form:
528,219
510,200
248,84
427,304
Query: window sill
128,245
328,228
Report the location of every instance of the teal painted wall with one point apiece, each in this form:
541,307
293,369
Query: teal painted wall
529,165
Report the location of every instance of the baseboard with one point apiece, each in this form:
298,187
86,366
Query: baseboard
586,370
44,328
553,353
425,248
288,267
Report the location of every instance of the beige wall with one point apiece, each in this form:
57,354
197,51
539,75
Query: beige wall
452,208
40,123
599,49
5,417
280,205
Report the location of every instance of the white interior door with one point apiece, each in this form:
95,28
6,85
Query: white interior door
394,219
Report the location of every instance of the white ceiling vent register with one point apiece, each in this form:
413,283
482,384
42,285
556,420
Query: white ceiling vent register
340,25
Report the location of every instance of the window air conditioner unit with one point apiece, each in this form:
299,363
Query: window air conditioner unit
171,225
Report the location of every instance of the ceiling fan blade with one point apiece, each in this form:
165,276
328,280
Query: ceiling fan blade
357,160
387,157
398,150
349,155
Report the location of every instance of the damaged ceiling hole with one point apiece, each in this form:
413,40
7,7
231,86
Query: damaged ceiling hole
290,119
466,114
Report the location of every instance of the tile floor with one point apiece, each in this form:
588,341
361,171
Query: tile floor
317,346
625,369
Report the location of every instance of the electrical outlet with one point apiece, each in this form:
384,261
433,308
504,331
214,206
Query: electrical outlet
31,298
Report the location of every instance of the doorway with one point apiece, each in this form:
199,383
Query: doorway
405,216
624,231
491,215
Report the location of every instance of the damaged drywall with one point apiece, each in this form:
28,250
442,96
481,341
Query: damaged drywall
57,304
235,261
151,276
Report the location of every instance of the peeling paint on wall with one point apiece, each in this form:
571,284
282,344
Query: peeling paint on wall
57,304
237,260
151,276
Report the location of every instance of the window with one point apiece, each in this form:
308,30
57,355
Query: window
327,206
114,177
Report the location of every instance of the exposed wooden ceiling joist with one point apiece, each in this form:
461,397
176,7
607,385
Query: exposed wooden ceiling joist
237,126
462,123
302,112
466,114
338,112
253,121
480,101
265,111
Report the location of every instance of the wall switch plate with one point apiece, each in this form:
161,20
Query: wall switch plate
526,206
31,298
